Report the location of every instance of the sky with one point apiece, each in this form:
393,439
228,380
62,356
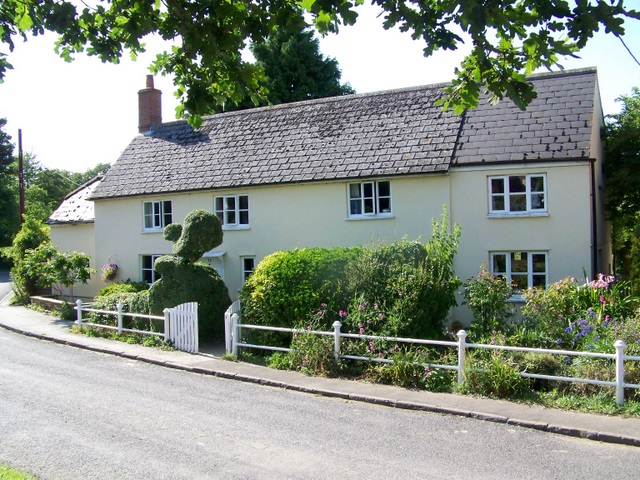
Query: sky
76,115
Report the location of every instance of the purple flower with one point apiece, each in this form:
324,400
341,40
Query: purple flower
361,331
342,313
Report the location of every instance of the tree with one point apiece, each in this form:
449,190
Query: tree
510,38
57,270
294,67
9,214
623,185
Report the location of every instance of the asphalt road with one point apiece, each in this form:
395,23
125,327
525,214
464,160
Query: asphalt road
5,284
67,414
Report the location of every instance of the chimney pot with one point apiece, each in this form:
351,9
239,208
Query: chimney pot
149,106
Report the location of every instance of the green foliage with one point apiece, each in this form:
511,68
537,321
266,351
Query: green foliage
510,39
487,296
294,68
492,374
127,287
577,316
31,235
136,302
66,311
57,270
185,281
411,284
7,473
286,286
623,186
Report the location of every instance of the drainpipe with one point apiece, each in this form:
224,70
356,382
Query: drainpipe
594,221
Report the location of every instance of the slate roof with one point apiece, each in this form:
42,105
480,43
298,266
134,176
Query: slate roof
76,207
556,125
399,132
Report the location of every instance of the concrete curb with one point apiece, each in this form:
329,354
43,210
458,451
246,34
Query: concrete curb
587,434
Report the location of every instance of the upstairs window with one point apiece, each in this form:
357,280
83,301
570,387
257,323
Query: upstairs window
157,214
518,194
523,269
233,210
370,199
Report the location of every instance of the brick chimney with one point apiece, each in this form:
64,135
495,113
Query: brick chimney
149,106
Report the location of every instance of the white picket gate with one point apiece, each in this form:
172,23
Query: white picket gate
183,327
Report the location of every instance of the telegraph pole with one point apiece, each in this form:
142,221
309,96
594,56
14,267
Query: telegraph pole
21,176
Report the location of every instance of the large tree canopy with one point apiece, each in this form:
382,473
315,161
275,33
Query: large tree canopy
623,185
294,68
509,38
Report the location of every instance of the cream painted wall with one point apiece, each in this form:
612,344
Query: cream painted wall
281,218
79,238
315,215
565,234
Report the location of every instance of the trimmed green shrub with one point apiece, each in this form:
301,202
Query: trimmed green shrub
286,286
133,302
185,281
127,287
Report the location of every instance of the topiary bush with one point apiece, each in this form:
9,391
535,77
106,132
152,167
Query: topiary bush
183,280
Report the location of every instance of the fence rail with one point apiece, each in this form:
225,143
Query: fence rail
180,324
233,328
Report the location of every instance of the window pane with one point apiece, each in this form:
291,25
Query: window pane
537,201
230,217
244,217
354,190
539,263
537,184
147,262
497,203
519,262
540,281
219,204
244,202
497,185
368,205
355,207
368,190
167,217
384,189
517,203
231,203
384,205
519,282
499,264
517,184
148,208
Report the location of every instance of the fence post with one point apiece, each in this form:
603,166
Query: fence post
620,346
234,334
336,339
167,324
119,308
462,337
79,312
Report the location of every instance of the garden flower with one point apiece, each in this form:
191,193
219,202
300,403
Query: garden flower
320,312
361,331
361,307
559,341
323,305
342,313
380,316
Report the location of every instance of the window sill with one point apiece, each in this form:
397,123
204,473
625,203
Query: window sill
518,215
380,216
235,227
153,230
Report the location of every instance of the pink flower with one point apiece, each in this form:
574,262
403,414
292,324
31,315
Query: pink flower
361,331
304,363
320,312
361,307
342,313
323,305
380,316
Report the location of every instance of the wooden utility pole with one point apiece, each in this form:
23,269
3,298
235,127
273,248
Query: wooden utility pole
21,176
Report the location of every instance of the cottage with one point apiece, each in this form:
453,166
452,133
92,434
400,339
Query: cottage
525,186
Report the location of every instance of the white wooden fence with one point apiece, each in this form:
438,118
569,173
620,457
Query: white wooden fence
180,323
233,341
